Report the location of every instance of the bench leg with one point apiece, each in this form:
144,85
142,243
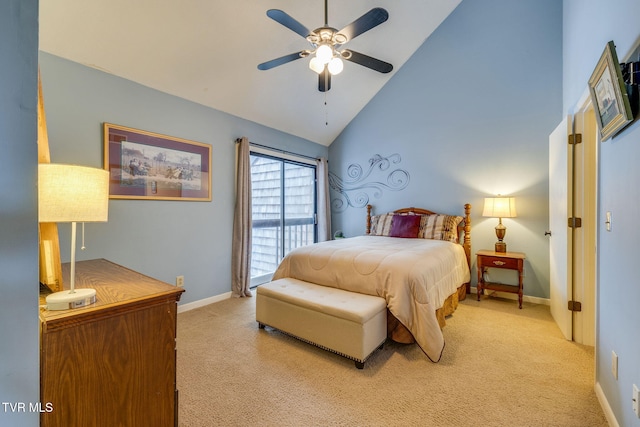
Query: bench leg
359,365
260,325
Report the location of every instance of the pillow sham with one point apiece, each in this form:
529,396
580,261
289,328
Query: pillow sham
381,224
405,226
440,227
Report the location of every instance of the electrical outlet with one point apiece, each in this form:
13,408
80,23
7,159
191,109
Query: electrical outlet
636,400
614,364
180,281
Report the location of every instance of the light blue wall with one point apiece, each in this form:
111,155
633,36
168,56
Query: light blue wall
19,362
618,315
486,81
470,115
162,239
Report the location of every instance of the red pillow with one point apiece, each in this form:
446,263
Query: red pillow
405,226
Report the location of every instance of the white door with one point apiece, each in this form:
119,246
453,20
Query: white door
559,247
572,193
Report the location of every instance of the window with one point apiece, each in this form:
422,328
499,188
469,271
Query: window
283,204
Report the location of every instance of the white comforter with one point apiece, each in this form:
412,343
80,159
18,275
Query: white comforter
414,276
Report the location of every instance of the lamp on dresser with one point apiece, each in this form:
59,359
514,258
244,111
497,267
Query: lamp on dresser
70,193
500,207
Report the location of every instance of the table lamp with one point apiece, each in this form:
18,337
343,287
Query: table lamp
500,207
70,193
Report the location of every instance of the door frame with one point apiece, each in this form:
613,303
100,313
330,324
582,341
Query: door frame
586,207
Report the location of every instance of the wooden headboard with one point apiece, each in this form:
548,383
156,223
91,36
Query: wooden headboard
464,228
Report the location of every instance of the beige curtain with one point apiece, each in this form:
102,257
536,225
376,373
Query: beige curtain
241,246
324,203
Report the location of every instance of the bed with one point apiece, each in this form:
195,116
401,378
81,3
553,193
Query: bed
416,259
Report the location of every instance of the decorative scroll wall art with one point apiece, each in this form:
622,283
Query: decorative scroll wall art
361,184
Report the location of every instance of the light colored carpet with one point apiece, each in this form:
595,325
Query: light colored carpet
501,367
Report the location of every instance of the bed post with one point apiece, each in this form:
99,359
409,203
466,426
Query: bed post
369,219
467,234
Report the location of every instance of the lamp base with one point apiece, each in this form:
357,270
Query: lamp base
66,300
501,247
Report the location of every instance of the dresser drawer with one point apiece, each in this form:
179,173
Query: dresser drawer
499,262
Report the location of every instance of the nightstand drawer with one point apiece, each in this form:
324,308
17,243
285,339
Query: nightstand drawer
499,262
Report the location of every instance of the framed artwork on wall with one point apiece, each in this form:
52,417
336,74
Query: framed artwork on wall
151,166
609,94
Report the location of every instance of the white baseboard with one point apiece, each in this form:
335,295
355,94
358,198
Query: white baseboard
201,303
525,298
604,403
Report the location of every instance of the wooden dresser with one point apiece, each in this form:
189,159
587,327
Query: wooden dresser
112,363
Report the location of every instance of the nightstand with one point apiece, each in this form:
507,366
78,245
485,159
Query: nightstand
505,260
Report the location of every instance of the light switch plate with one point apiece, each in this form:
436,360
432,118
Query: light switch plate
636,400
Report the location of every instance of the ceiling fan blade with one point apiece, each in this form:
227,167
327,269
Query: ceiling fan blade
279,61
324,80
367,61
289,22
369,20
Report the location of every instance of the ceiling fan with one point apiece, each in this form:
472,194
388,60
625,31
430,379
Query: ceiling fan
327,45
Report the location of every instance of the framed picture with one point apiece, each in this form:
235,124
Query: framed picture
609,94
147,165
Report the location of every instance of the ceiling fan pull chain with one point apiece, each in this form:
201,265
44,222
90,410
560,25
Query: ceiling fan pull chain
326,111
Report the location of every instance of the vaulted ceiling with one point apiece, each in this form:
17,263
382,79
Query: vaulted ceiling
207,51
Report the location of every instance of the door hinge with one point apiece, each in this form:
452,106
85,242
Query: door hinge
575,222
575,138
575,306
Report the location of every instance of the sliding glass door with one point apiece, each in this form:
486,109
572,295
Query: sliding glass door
283,211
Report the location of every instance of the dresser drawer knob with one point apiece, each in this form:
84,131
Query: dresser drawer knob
499,262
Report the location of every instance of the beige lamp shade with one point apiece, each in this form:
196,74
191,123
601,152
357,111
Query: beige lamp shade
70,193
500,207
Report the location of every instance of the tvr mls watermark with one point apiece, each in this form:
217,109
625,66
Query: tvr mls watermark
27,407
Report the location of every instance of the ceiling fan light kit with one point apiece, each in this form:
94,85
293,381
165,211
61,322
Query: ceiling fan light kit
327,53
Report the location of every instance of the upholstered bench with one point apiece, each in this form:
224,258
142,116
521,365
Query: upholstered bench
347,323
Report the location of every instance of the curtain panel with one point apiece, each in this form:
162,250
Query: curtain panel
324,203
241,246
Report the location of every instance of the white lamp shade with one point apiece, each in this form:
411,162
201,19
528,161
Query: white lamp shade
335,66
70,193
316,65
324,53
500,207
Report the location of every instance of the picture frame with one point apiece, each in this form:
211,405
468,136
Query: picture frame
609,94
151,166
